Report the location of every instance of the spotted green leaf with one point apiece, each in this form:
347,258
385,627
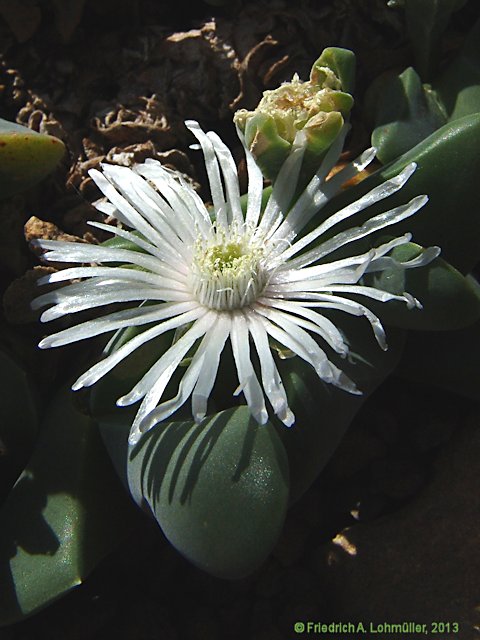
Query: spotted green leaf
26,157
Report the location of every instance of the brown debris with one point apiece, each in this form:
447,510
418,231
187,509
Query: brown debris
126,125
36,229
203,71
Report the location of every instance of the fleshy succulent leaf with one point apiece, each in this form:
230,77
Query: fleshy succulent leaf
448,165
406,112
54,527
459,85
450,300
26,157
218,490
18,421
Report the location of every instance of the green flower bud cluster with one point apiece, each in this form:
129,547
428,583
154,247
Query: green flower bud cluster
318,108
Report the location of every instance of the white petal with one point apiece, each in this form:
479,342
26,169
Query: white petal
102,368
165,253
271,380
79,252
153,383
377,193
230,177
348,306
98,297
166,409
298,341
255,186
282,192
248,382
118,320
174,205
215,343
316,194
129,213
117,273
324,327
213,171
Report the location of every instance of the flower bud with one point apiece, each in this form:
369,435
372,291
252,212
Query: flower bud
318,108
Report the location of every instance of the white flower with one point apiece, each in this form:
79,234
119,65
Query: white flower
247,278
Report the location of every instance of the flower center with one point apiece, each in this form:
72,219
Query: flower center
228,274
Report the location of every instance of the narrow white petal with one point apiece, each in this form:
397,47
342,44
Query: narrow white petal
325,327
211,165
282,192
117,273
153,384
230,177
348,306
173,205
248,382
255,187
98,292
165,253
386,262
352,169
117,320
154,381
87,301
374,195
316,194
102,368
78,252
215,343
129,213
271,380
305,274
374,294
298,341
166,409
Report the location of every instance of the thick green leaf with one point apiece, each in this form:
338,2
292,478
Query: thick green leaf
450,361
459,85
18,421
66,511
450,300
448,168
323,413
219,490
26,157
406,112
426,22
